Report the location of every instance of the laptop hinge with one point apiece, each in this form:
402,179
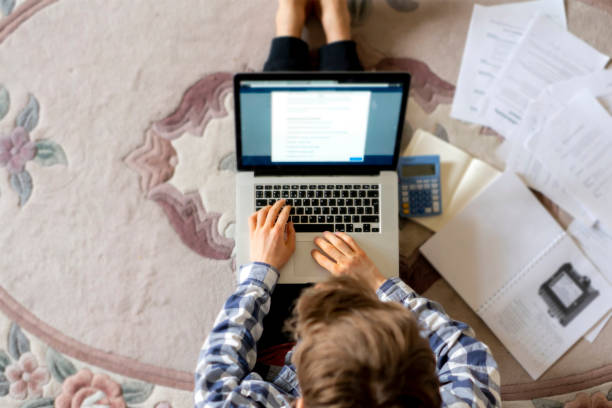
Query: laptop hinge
311,172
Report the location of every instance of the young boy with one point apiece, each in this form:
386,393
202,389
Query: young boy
363,340
361,337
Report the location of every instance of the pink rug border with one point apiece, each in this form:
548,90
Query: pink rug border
24,11
125,366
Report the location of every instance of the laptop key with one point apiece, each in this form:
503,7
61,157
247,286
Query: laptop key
301,194
258,187
304,219
260,203
315,202
308,210
321,219
312,187
349,227
312,219
317,210
360,210
277,187
368,210
338,186
295,219
375,230
313,227
357,229
271,201
321,187
340,202
339,227
332,202
310,194
267,194
286,187
347,218
355,219
334,210
258,194
303,187
297,202
342,210
323,202
330,187
285,194
351,210
349,202
338,218
329,218
336,193
295,187
294,194
366,227
369,218
325,210
268,187
319,193
276,194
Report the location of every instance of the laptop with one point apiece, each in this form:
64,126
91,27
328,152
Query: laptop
328,143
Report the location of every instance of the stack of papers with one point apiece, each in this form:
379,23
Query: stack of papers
547,93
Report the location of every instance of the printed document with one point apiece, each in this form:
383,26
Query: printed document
549,102
576,146
493,34
521,273
597,245
324,126
546,54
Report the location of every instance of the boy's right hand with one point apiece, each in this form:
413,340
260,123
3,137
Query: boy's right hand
342,256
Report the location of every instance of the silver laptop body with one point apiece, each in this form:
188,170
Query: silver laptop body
328,143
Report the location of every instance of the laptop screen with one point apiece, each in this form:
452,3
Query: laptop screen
319,122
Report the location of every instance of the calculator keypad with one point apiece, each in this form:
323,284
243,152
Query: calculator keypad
420,198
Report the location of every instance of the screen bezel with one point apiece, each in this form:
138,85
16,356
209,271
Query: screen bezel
342,77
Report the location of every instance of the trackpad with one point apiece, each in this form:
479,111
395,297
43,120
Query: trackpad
305,267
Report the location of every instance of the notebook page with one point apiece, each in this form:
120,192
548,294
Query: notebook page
523,317
494,237
475,180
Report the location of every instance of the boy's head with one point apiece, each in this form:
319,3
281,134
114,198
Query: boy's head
356,351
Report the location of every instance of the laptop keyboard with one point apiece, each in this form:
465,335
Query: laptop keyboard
318,208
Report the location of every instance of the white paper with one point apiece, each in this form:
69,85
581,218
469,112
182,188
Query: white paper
576,145
493,34
597,245
499,253
549,102
546,54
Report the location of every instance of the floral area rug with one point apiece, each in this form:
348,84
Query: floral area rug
117,194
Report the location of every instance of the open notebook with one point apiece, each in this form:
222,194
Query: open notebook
521,273
462,176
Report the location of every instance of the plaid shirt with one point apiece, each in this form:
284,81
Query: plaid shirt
224,375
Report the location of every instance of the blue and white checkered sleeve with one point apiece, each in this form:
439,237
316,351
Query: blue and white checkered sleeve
467,371
223,376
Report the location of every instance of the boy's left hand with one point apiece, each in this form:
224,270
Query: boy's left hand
272,237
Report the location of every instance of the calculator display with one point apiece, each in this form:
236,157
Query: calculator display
418,170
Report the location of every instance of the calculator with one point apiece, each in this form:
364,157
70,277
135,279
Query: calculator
420,193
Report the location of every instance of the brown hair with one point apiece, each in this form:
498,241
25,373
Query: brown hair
356,351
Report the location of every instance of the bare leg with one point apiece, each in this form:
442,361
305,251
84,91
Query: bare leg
290,17
335,18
